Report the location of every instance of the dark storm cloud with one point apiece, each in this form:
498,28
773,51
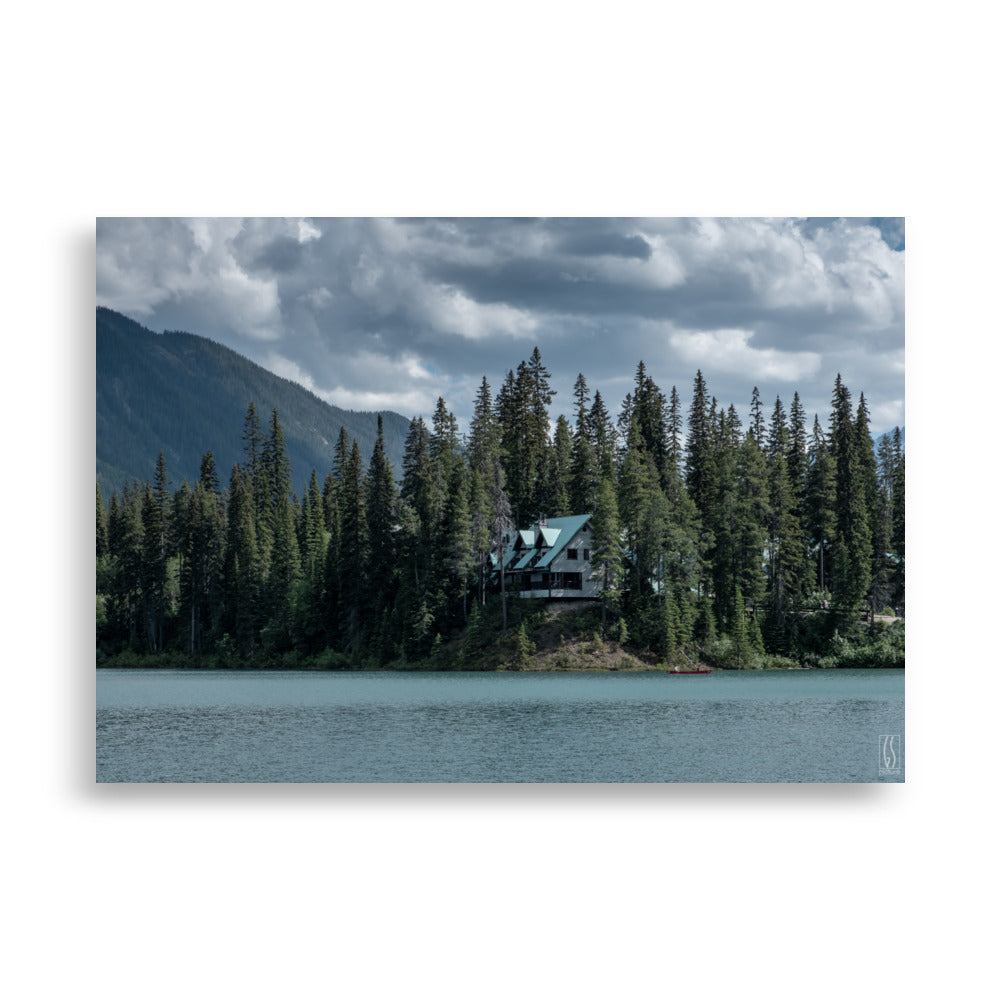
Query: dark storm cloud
375,313
281,255
603,244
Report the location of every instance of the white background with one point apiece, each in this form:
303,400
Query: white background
447,108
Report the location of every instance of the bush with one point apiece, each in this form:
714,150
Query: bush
331,659
523,648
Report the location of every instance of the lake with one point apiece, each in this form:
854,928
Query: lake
304,726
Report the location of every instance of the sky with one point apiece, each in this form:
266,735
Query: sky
390,314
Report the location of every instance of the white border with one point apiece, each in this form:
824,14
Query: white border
554,109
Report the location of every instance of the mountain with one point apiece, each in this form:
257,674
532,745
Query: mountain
187,395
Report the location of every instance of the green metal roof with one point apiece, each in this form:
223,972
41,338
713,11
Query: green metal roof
528,556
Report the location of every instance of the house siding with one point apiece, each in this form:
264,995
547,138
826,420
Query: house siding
562,565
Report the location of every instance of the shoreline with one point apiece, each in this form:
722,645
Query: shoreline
149,663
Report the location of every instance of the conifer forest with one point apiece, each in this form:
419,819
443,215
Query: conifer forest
767,538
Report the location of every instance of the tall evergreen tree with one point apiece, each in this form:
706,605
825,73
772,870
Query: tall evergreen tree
757,418
125,571
484,433
501,528
102,526
869,476
852,547
353,583
675,431
458,534
203,548
699,473
898,504
157,547
602,436
820,504
522,408
254,444
583,463
555,489
786,550
381,514
649,412
241,568
606,556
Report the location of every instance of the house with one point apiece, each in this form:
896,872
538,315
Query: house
551,559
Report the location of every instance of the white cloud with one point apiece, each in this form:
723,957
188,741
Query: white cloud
447,309
782,303
731,351
369,381
888,414
307,231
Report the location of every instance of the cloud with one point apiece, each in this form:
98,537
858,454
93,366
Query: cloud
451,311
185,270
404,310
731,351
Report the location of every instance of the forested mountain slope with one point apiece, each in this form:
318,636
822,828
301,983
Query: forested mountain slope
187,395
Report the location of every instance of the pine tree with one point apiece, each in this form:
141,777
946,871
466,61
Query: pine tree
156,509
602,436
741,640
353,584
254,444
312,531
754,511
898,504
284,575
277,470
675,431
700,476
459,538
241,570
606,556
869,475
502,526
852,547
757,419
699,465
484,433
125,551
202,544
649,413
583,463
787,557
483,455
102,527
330,611
523,650
522,409
820,504
555,491
380,512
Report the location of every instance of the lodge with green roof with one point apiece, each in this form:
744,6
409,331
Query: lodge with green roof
551,559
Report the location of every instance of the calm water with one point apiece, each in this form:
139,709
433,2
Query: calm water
366,727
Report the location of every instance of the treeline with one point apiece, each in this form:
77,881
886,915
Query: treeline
774,537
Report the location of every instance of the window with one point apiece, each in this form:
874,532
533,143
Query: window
571,553
586,555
